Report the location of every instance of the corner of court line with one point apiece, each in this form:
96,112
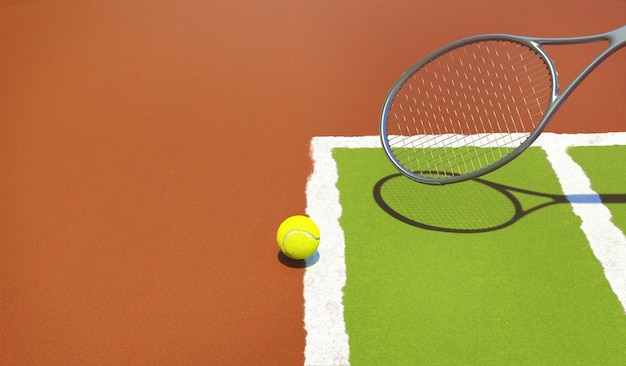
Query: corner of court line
327,342
607,241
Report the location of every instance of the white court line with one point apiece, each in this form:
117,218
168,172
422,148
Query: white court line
327,340
607,241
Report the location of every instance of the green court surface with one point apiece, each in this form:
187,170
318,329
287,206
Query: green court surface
529,293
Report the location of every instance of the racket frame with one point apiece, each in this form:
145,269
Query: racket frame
615,38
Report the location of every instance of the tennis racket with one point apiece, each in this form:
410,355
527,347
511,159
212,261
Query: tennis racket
475,207
476,104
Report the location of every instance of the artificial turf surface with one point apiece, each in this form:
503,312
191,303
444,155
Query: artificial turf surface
529,293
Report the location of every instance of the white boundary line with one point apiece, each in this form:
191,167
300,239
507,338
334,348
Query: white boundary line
327,339
607,241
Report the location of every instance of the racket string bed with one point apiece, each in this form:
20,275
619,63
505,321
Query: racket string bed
468,107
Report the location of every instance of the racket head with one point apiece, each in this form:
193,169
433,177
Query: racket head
468,108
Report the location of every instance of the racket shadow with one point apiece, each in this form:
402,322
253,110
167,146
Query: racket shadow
476,206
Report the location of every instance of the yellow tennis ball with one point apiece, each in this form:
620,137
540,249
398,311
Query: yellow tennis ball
298,237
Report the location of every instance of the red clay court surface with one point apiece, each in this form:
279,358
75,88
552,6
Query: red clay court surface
149,150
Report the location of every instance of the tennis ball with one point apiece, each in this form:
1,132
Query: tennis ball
298,237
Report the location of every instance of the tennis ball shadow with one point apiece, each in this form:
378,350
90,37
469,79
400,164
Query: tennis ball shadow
298,263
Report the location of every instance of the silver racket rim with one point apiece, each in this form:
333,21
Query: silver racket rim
391,95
